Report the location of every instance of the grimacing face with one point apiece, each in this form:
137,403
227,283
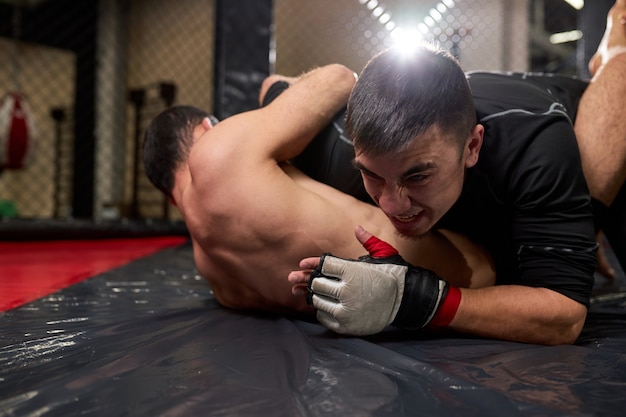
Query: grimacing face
417,186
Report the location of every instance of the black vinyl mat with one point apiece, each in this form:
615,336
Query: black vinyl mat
149,339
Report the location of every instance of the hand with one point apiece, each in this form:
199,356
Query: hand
361,297
300,279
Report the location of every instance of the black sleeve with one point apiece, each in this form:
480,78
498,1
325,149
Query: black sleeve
553,228
274,91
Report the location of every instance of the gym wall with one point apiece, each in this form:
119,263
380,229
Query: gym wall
94,73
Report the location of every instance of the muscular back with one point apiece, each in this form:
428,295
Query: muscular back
251,229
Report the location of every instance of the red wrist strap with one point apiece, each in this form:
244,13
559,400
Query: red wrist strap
379,248
447,309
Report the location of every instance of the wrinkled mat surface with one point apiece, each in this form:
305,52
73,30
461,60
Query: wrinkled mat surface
149,339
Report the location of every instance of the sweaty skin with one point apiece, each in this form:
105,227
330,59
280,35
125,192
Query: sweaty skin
252,217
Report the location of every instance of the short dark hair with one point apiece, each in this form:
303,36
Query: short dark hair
399,95
167,143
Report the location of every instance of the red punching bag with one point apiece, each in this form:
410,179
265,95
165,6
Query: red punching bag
16,131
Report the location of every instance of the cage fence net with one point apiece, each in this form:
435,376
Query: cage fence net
94,73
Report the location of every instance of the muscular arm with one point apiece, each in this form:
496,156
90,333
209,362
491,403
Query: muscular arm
519,313
302,111
362,297
553,251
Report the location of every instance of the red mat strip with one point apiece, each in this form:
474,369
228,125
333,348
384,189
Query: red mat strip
31,270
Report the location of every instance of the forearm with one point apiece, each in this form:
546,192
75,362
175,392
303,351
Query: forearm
336,84
519,313
307,107
362,297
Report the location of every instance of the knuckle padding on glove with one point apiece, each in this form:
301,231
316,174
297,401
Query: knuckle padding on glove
326,286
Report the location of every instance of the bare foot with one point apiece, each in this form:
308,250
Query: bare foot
614,40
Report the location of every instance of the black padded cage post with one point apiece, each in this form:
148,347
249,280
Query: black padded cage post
138,98
242,50
58,115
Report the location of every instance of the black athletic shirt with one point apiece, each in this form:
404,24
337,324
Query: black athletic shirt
527,200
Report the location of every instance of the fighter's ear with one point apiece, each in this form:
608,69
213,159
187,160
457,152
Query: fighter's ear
473,145
206,124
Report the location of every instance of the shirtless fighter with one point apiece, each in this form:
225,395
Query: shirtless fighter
252,215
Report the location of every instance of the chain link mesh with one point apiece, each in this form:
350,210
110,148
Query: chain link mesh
154,53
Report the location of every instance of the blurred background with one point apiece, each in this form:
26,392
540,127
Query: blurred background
80,80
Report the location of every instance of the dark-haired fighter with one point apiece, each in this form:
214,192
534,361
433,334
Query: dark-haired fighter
496,158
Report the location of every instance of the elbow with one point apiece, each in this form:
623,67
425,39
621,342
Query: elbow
572,334
345,71
567,331
561,321
565,337
342,76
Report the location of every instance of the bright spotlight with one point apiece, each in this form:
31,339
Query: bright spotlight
406,39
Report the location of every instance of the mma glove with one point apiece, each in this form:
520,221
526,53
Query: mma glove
362,297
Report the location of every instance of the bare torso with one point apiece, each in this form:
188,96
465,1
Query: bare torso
253,219
247,250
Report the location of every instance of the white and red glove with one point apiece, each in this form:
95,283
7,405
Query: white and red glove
362,297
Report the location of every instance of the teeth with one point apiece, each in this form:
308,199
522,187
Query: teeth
405,218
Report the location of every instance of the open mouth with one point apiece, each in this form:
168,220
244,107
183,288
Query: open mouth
406,224
408,218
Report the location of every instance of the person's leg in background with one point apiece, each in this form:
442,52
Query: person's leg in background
601,129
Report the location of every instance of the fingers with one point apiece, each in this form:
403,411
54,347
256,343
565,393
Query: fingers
377,248
362,235
299,290
309,263
328,290
300,279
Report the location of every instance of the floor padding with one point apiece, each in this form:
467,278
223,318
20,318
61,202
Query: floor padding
30,270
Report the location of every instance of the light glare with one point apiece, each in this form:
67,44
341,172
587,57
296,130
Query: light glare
435,14
406,40
563,37
576,4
